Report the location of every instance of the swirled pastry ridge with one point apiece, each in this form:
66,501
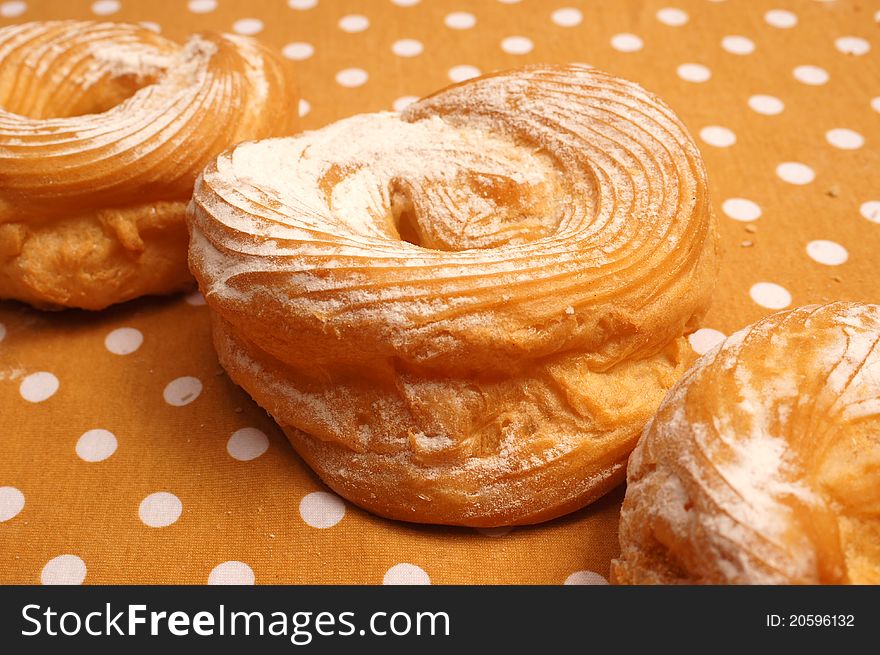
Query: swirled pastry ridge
762,465
463,313
103,130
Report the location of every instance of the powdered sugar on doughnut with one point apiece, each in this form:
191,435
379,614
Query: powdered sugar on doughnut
178,86
512,184
357,149
463,312
763,441
104,128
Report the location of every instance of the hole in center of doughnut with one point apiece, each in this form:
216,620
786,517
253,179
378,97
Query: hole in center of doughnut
85,72
66,100
474,210
404,219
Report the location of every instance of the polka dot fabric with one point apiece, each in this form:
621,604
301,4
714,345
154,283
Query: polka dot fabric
128,456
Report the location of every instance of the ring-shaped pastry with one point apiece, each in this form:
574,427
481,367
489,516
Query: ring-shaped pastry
762,465
103,130
466,312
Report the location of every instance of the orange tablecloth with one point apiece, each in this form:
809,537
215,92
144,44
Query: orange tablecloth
128,456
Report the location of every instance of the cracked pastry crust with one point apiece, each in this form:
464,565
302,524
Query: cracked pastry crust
103,130
762,465
463,313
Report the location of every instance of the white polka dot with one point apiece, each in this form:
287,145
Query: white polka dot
11,503
694,72
302,4
626,42
321,509
567,17
63,570
2,331
780,18
202,6
460,20
741,209
875,104
585,578
160,509
812,75
37,387
852,45
105,7
767,105
247,444
196,299
298,50
406,574
407,48
304,107
463,72
12,9
871,210
738,45
248,26
403,102
704,339
354,23
96,445
672,17
182,391
150,25
517,45
496,532
718,136
825,252
845,139
352,77
123,341
770,295
406,3
795,173
231,573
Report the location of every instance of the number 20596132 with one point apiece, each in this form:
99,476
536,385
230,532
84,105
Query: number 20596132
810,620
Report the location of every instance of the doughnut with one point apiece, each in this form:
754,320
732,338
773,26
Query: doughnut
103,130
463,313
762,465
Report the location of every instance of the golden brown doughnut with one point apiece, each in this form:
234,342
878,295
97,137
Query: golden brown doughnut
762,465
103,129
463,313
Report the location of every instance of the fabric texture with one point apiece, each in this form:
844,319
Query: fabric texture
128,456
